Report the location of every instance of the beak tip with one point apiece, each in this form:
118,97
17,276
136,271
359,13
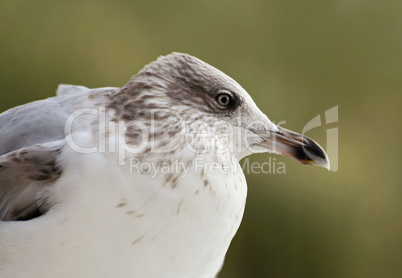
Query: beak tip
320,158
325,163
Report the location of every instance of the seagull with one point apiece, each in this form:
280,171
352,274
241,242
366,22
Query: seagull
138,181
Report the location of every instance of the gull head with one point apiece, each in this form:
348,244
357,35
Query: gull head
181,100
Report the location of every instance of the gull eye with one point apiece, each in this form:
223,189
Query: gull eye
224,99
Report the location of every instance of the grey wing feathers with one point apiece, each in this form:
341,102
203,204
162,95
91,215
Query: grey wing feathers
36,122
31,138
24,175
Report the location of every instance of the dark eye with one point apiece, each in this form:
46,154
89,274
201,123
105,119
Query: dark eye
224,99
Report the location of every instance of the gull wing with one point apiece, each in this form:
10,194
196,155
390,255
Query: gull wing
31,139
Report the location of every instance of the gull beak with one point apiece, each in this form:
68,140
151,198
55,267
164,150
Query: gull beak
294,145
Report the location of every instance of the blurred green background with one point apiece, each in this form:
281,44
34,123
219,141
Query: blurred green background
296,59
